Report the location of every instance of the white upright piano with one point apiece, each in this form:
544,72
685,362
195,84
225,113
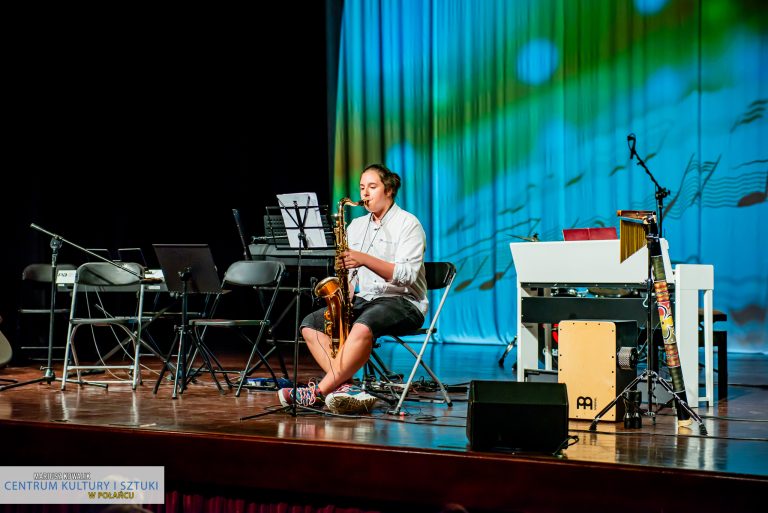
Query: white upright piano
595,263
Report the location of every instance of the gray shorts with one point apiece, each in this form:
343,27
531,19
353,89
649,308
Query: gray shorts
382,315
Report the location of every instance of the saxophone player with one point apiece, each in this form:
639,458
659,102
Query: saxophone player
385,264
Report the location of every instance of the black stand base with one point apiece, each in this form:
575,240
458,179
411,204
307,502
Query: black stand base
48,378
651,377
182,377
284,409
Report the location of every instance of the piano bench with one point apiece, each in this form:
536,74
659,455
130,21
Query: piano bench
720,341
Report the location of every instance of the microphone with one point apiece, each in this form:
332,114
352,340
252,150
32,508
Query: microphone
631,143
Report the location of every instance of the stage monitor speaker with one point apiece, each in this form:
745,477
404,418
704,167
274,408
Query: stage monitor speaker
588,363
518,417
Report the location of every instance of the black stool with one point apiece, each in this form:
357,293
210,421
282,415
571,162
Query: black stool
720,341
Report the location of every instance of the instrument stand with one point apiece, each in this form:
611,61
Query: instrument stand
298,217
506,352
246,250
650,375
181,376
194,267
49,376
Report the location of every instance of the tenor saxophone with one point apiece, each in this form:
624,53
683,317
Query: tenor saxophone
335,289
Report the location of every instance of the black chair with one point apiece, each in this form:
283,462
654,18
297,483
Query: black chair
97,278
720,341
35,306
261,276
440,276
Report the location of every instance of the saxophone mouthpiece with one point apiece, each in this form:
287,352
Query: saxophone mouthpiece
348,202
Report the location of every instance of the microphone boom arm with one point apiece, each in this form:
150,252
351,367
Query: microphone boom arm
107,260
661,192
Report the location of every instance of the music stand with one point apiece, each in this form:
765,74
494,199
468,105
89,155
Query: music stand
187,269
302,233
274,245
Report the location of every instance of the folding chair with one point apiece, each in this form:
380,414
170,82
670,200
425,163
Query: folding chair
98,277
35,301
440,276
260,276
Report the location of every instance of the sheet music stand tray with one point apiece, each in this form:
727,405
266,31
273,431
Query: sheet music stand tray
276,233
187,269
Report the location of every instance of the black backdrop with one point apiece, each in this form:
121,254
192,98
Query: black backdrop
132,128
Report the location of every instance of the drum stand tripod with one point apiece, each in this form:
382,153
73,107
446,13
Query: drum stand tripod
650,375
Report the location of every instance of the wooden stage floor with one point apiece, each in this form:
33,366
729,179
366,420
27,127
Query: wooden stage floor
416,462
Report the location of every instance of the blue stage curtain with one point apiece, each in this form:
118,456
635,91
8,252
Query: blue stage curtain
510,118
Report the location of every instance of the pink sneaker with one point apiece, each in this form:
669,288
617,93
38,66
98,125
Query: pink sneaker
305,396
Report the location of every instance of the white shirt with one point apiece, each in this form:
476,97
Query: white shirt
399,239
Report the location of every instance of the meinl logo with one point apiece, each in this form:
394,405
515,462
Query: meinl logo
586,403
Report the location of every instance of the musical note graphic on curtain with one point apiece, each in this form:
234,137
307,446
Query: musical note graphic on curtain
466,283
754,112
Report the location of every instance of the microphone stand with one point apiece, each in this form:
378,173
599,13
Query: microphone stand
246,250
661,192
49,376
